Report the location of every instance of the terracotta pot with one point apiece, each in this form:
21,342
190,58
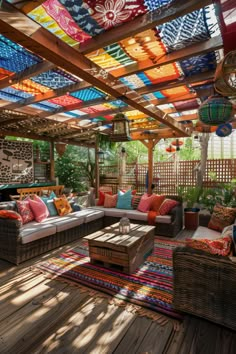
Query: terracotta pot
191,218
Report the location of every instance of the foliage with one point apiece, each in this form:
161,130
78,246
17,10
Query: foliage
223,193
190,195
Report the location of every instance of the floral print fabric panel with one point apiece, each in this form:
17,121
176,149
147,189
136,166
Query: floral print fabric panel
111,13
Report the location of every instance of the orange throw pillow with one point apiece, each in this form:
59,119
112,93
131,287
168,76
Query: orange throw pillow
110,201
63,206
102,198
10,214
156,202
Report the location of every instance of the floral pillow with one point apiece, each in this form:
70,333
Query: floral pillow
220,246
167,206
63,206
24,210
221,217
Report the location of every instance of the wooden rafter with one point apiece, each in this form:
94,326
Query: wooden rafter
174,9
23,30
207,46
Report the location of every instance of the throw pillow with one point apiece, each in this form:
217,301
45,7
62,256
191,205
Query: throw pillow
24,210
124,200
63,206
102,197
49,202
110,201
156,202
76,207
145,202
220,246
135,201
38,208
167,206
221,217
10,214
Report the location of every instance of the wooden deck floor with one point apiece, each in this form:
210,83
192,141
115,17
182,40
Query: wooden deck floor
39,315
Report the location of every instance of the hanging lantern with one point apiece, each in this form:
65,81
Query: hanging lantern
224,130
101,156
177,143
60,148
215,110
170,149
203,128
120,128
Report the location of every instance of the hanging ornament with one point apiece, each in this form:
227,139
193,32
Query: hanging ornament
170,149
224,130
60,148
215,110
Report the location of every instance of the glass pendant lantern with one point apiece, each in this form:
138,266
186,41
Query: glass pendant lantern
124,226
120,128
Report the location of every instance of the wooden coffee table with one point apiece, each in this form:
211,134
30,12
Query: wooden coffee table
125,253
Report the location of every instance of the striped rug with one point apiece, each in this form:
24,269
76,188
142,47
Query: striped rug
150,286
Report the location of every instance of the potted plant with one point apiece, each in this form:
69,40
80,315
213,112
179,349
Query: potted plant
190,197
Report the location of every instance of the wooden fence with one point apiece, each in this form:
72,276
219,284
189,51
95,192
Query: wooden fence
167,176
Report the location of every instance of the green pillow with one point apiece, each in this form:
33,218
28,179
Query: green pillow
50,204
124,200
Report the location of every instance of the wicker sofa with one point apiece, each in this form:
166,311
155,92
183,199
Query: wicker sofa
166,225
205,284
19,243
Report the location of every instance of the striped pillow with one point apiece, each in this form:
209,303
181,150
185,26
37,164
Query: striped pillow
135,201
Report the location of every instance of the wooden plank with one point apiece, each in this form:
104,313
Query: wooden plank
32,322
101,251
156,338
134,336
150,20
94,235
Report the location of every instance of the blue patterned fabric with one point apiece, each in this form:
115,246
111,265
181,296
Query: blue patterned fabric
14,57
198,64
144,78
185,30
153,95
155,4
88,94
50,104
118,103
82,17
16,93
44,107
136,81
54,79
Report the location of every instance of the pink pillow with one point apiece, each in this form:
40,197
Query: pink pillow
145,202
38,208
24,210
110,201
167,206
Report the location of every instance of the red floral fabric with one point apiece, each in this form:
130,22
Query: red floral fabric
10,214
220,246
111,13
25,211
167,206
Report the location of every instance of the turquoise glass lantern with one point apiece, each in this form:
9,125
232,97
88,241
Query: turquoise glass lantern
215,110
224,130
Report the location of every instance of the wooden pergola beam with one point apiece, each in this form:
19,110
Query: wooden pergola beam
22,30
142,23
204,47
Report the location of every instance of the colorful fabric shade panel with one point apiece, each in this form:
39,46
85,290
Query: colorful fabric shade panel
186,105
20,95
155,4
54,79
135,115
136,81
5,73
10,96
94,109
181,90
163,73
185,30
65,100
45,106
153,96
88,94
31,87
15,58
198,64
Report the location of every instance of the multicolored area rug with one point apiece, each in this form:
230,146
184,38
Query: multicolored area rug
150,286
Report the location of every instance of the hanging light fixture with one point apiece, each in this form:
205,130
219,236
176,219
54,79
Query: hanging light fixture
215,110
60,148
120,128
170,149
101,157
224,130
177,143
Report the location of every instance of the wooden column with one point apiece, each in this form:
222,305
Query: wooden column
150,145
97,178
52,161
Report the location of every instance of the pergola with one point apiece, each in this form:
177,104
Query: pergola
67,67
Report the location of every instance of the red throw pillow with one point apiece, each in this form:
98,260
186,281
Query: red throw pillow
38,208
167,206
220,246
156,202
10,214
24,210
102,197
133,192
145,202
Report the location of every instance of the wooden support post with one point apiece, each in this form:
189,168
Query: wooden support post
52,161
150,145
97,178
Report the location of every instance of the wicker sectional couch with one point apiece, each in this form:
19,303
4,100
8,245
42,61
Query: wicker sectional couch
19,243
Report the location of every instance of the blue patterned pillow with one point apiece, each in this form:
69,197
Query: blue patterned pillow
124,200
49,201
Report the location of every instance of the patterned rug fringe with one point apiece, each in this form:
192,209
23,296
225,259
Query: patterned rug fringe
129,307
